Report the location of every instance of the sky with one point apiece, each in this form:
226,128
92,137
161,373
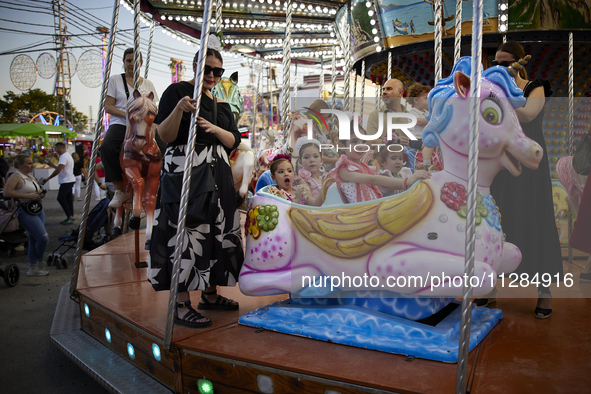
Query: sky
27,27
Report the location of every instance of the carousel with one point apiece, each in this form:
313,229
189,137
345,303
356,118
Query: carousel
293,336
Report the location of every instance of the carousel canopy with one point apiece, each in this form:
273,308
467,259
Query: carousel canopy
257,27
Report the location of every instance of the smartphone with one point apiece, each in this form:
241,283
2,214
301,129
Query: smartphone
43,191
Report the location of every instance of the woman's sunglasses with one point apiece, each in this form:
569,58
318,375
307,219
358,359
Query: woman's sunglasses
217,71
504,63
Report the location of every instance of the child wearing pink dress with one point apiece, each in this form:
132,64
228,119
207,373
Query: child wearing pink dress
357,182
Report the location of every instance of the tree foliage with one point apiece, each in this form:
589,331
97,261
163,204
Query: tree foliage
15,107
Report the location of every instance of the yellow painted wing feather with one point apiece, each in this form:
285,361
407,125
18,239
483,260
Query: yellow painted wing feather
353,231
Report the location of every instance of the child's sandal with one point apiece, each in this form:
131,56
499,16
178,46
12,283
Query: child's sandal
221,303
192,319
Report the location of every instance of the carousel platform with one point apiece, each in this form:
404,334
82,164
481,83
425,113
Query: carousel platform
116,331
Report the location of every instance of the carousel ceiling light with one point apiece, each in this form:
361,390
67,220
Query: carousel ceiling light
234,5
374,31
503,7
370,13
372,22
302,6
376,39
378,48
163,17
368,4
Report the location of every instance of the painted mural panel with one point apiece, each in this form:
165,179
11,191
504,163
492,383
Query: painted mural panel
549,14
406,21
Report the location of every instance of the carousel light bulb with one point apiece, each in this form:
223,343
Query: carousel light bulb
503,7
372,22
378,48
503,18
368,4
376,39
370,13
374,31
503,28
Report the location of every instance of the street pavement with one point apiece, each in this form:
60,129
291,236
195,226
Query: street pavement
30,363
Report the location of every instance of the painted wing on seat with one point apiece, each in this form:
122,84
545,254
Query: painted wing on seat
355,230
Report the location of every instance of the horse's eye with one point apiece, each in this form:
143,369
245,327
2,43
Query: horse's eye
491,112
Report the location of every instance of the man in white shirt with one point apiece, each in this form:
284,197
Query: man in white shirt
66,179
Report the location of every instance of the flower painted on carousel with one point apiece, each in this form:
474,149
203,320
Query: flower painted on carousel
494,216
262,218
453,195
481,210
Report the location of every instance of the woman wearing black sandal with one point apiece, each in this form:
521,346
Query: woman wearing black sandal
212,254
525,202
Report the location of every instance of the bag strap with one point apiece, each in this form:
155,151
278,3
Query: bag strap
125,86
215,123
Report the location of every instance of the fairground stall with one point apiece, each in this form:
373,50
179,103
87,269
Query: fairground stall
290,338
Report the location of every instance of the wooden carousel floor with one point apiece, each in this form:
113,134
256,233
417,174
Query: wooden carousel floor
520,355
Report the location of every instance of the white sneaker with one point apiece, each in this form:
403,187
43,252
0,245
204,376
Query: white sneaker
35,271
20,248
118,199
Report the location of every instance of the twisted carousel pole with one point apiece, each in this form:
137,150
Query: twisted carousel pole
390,65
362,89
99,128
333,76
295,86
180,231
347,55
354,91
286,69
458,33
218,15
569,134
321,79
149,49
473,139
255,101
438,40
136,44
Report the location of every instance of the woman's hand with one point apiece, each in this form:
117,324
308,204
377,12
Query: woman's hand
186,104
207,126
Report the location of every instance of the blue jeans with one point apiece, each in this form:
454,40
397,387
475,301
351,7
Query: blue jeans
38,238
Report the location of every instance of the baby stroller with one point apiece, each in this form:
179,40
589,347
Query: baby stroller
10,239
99,218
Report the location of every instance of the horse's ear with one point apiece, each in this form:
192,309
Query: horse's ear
151,96
461,84
136,94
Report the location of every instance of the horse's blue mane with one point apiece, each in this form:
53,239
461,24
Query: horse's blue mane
440,108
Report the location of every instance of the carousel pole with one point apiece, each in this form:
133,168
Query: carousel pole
347,53
149,49
321,79
286,70
473,139
254,101
438,40
99,128
180,231
377,96
136,44
218,15
136,85
569,134
458,33
354,91
333,76
295,86
362,89
390,65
